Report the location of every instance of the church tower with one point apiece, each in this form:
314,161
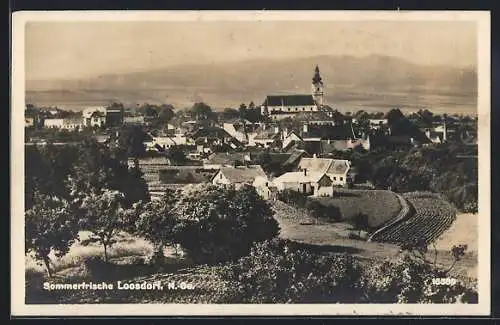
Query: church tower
317,88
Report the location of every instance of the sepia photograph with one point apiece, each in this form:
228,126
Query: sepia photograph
250,163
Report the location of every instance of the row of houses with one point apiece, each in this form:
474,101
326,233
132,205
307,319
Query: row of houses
310,175
90,117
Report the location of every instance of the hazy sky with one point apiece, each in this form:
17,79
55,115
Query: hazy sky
82,49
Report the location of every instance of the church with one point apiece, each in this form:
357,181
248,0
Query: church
279,107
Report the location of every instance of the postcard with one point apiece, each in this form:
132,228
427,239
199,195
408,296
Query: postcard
189,163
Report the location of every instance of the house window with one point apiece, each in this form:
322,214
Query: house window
303,108
334,178
289,109
342,178
220,176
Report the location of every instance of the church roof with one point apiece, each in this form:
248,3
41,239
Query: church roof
289,100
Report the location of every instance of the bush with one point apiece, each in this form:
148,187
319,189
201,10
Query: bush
471,207
292,197
407,279
218,224
322,211
276,272
95,267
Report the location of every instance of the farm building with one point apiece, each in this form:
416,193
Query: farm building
310,183
240,176
227,159
64,123
339,170
133,120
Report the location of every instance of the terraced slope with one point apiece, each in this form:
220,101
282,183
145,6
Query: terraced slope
430,217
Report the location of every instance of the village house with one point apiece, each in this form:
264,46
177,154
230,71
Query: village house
329,146
317,118
103,116
239,129
214,136
278,107
377,124
338,170
227,159
133,120
241,175
265,136
161,142
71,124
309,183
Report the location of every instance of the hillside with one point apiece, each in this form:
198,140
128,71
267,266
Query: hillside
372,82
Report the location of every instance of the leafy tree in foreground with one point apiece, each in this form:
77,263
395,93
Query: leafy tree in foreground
49,227
97,168
218,224
157,222
132,141
104,216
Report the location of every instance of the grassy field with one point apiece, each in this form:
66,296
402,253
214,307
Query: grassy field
333,238
380,206
126,246
327,237
463,231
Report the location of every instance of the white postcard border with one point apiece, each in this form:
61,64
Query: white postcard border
19,308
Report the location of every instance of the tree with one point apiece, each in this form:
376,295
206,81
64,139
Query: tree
230,113
394,116
49,226
132,141
242,110
360,221
104,216
98,168
177,154
201,111
47,169
166,113
157,222
218,224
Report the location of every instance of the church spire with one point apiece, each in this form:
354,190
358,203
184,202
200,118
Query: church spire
317,88
317,77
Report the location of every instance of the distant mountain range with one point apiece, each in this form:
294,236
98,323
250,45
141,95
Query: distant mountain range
370,83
